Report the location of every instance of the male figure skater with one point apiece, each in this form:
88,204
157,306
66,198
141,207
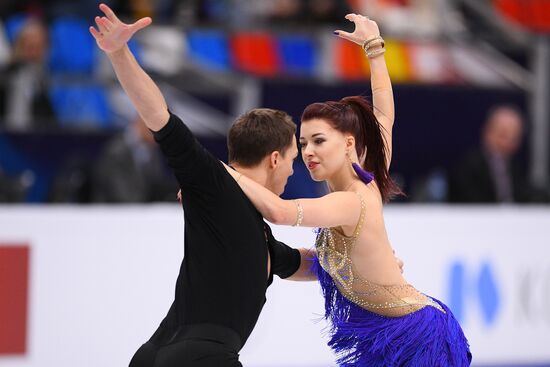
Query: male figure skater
230,254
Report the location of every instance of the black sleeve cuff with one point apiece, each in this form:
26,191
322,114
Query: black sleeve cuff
294,259
166,129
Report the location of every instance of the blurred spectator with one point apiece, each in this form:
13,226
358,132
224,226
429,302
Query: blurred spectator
13,188
131,169
491,173
24,100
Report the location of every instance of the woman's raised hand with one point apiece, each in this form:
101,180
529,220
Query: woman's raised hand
112,34
364,29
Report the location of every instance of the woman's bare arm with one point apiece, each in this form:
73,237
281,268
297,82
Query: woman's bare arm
382,93
336,209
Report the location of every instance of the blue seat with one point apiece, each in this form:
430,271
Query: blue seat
81,106
297,54
72,47
209,49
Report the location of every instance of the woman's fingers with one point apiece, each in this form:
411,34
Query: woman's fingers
364,28
345,35
354,17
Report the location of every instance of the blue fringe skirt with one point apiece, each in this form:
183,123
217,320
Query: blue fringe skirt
425,338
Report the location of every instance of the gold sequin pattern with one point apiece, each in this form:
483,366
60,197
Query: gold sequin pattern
334,253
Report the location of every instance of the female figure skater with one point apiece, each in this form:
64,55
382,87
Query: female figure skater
377,318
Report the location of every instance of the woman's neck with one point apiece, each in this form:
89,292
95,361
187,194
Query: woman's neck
342,180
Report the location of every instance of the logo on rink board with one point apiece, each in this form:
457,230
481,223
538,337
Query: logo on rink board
480,286
14,286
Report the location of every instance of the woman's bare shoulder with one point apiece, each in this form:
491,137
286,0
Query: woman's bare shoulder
371,195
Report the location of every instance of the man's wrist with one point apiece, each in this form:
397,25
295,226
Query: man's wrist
118,53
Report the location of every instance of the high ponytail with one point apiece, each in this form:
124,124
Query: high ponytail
354,115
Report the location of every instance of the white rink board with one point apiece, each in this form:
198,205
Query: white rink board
102,278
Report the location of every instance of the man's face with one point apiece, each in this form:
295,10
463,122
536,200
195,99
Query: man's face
32,43
284,168
504,133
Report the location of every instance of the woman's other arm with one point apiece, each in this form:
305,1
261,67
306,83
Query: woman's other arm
382,93
335,209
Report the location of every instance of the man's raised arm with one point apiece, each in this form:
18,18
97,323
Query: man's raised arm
112,37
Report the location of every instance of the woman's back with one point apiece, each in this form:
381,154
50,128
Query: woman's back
372,254
361,262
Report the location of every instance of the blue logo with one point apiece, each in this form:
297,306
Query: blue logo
481,287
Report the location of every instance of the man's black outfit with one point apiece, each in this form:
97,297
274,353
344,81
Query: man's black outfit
224,275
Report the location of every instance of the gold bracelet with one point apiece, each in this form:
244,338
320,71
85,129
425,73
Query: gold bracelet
299,214
378,52
370,39
379,41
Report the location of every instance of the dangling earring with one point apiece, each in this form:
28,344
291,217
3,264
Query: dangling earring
363,175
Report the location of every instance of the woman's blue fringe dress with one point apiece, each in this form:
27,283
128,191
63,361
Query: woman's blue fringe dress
374,325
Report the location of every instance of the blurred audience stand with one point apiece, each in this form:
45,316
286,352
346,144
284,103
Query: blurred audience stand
160,10
308,12
410,18
430,188
14,188
4,46
491,173
273,12
131,169
24,99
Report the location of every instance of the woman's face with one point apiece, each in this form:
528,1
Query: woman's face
323,148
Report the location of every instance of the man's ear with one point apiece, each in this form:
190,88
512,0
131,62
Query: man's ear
274,159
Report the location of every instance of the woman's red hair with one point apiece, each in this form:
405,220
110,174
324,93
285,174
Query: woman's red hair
354,115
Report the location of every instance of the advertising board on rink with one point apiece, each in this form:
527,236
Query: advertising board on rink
106,275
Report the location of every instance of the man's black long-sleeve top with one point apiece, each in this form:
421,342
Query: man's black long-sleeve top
224,275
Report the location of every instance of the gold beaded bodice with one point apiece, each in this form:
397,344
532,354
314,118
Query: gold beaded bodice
334,253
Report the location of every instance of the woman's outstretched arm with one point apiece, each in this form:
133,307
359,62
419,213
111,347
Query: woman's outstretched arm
382,93
336,209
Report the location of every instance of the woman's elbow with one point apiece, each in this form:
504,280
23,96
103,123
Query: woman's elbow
279,215
276,217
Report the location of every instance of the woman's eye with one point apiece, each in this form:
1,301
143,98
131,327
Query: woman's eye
319,141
